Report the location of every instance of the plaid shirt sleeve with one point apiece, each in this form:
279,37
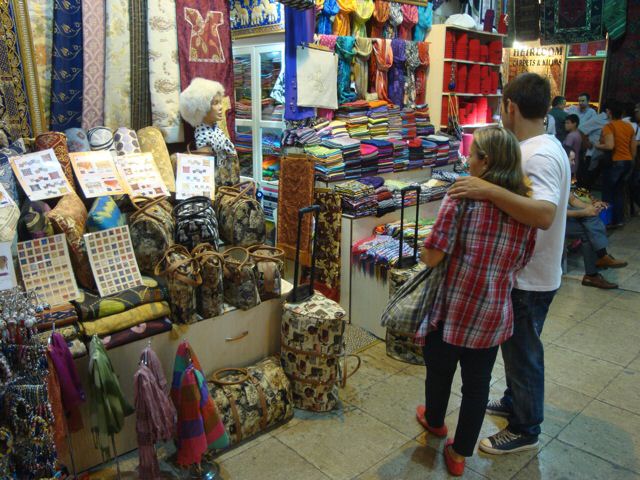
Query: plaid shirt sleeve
530,247
443,231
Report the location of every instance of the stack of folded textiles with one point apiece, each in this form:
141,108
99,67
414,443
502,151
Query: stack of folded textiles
423,121
454,148
378,253
442,143
338,129
436,187
395,186
300,136
350,148
393,229
369,159
323,128
395,122
416,153
271,152
408,123
400,155
355,116
385,200
358,199
385,154
104,316
429,153
378,118
244,147
329,164
65,320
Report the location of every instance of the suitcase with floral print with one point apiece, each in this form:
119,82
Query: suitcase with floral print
313,340
400,345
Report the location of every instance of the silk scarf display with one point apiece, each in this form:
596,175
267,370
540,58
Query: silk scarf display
164,71
363,48
41,19
380,17
396,72
344,49
361,15
395,20
117,81
299,27
140,99
421,73
317,71
409,20
326,16
204,46
93,79
384,60
412,62
425,18
570,21
67,65
342,22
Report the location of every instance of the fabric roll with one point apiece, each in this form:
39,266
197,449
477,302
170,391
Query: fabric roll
57,141
67,65
361,15
299,27
151,140
100,138
412,62
384,60
137,332
328,242
380,17
363,47
93,21
474,79
344,49
140,97
396,72
117,80
164,71
342,22
395,20
129,318
126,141
409,21
326,17
421,73
41,19
77,140
425,18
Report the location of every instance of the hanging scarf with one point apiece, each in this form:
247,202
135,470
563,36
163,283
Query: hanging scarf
344,48
67,83
155,414
299,27
362,49
396,72
361,15
70,386
425,18
412,62
328,41
380,17
342,22
325,18
421,73
409,20
395,20
384,60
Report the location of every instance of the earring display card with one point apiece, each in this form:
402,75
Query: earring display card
7,273
46,269
113,261
40,175
97,173
141,174
196,176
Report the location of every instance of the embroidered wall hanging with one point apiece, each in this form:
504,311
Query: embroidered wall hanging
317,72
256,17
571,21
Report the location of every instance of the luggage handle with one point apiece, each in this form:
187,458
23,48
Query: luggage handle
300,293
409,261
237,337
218,375
345,375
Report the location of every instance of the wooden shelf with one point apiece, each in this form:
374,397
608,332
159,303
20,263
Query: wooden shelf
477,32
477,125
472,63
472,94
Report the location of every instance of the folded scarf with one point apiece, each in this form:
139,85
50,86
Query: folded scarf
120,321
362,49
137,332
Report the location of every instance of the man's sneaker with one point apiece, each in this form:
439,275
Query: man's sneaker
506,442
496,407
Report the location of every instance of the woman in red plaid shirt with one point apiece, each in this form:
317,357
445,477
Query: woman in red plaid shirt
472,313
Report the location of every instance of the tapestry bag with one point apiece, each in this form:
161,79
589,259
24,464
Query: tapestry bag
240,282
196,222
241,217
151,227
210,294
269,262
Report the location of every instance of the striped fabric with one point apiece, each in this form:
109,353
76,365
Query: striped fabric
93,18
615,18
140,96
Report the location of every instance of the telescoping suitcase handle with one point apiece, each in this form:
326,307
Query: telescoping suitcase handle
407,262
300,293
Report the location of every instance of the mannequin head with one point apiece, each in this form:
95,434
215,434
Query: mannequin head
201,102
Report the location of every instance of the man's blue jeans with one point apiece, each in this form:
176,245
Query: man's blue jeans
523,356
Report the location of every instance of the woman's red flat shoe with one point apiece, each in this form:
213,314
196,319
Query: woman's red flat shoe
421,410
454,467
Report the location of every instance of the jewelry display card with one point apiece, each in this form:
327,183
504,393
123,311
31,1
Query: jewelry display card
7,273
46,269
113,261
141,174
97,173
196,176
40,175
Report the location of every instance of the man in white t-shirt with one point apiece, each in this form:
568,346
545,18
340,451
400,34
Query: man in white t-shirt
525,103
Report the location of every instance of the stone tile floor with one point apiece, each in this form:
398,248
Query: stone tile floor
592,411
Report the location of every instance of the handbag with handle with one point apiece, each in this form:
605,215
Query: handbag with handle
240,282
269,262
210,294
240,215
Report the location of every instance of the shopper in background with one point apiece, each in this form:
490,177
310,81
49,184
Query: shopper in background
472,313
557,112
524,106
590,169
550,125
618,137
573,141
583,110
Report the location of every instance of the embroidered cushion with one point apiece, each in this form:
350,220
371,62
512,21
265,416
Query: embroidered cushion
104,214
33,222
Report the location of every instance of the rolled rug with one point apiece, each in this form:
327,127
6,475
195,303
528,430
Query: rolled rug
126,141
100,138
58,142
137,332
129,318
77,140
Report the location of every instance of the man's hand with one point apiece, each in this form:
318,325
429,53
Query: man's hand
590,211
471,187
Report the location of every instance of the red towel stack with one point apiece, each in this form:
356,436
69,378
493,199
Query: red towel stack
473,79
461,82
462,114
445,111
450,44
484,53
472,112
494,80
446,80
489,115
474,50
485,80
481,109
462,47
495,52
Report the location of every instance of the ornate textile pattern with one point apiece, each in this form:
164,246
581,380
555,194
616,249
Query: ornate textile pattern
328,241
117,81
77,140
57,141
41,19
412,62
624,57
571,21
140,98
384,60
93,18
66,65
360,67
101,138
164,71
204,46
151,140
126,141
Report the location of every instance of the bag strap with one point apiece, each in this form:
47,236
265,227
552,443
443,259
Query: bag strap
409,262
217,376
345,375
257,257
147,204
172,268
295,296
241,264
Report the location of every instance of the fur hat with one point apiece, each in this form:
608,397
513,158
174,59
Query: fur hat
195,100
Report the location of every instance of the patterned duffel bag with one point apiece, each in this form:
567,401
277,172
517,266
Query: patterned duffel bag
240,215
400,345
151,227
269,262
252,400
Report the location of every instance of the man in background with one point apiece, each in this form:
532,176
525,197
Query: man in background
589,170
573,141
558,104
583,110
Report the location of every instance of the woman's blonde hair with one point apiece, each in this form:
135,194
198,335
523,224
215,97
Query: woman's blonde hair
501,150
